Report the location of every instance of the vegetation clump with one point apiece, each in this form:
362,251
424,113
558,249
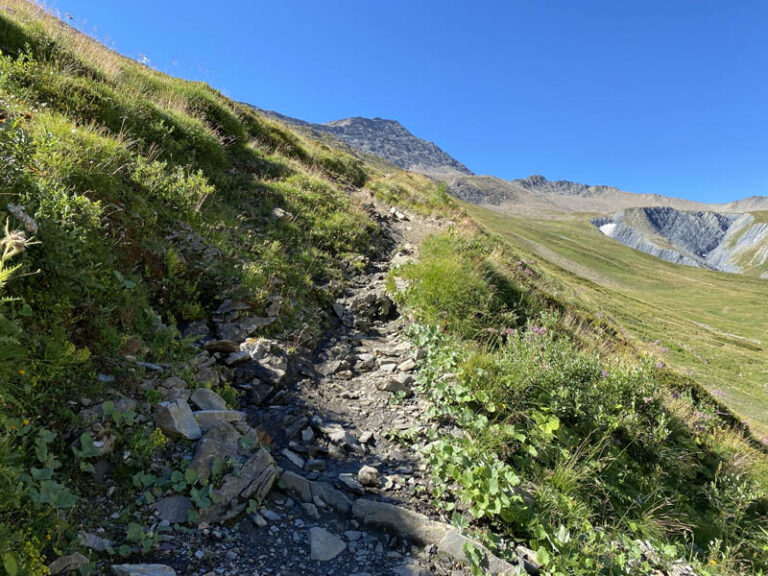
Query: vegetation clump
590,459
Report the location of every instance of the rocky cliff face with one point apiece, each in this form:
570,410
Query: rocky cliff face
728,242
390,140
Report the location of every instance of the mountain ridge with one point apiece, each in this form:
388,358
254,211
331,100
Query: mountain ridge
388,139
535,194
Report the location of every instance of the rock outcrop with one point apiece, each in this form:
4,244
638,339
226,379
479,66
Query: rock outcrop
718,241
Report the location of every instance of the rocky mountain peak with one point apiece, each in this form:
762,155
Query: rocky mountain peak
390,140
538,183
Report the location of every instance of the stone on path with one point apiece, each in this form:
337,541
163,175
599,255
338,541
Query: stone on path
175,419
452,545
142,570
323,545
209,419
173,509
409,524
369,476
206,399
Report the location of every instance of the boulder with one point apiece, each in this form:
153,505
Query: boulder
221,442
292,482
409,524
209,419
67,564
93,542
452,545
206,399
398,383
271,359
369,476
175,419
173,509
373,305
253,479
350,483
323,545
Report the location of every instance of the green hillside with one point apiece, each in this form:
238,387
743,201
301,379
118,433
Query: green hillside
138,208
711,326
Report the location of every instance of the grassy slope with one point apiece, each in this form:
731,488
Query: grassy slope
112,161
150,200
713,324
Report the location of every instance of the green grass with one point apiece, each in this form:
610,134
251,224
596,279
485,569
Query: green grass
577,451
150,201
710,325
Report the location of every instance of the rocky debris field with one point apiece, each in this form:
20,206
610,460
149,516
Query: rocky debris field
307,476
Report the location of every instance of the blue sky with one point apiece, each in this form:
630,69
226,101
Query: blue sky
669,97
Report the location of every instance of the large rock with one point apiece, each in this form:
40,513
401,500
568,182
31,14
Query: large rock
173,509
176,420
93,542
222,442
369,476
253,479
67,564
323,545
452,545
271,360
409,524
297,484
142,570
373,305
206,399
209,419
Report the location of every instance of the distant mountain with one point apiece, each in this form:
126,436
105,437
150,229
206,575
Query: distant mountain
536,195
728,242
387,139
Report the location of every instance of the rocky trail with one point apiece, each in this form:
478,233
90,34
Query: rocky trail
312,446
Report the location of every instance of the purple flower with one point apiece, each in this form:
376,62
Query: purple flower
604,373
660,364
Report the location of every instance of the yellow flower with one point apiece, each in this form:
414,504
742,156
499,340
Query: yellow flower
22,372
26,421
48,536
713,562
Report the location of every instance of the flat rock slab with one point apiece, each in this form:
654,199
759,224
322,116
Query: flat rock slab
409,524
67,564
323,545
206,399
209,419
142,570
175,419
452,545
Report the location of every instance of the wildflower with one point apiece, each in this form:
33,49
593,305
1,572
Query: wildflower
22,372
648,399
604,373
26,421
713,562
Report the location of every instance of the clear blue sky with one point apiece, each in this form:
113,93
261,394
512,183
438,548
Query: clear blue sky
650,96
